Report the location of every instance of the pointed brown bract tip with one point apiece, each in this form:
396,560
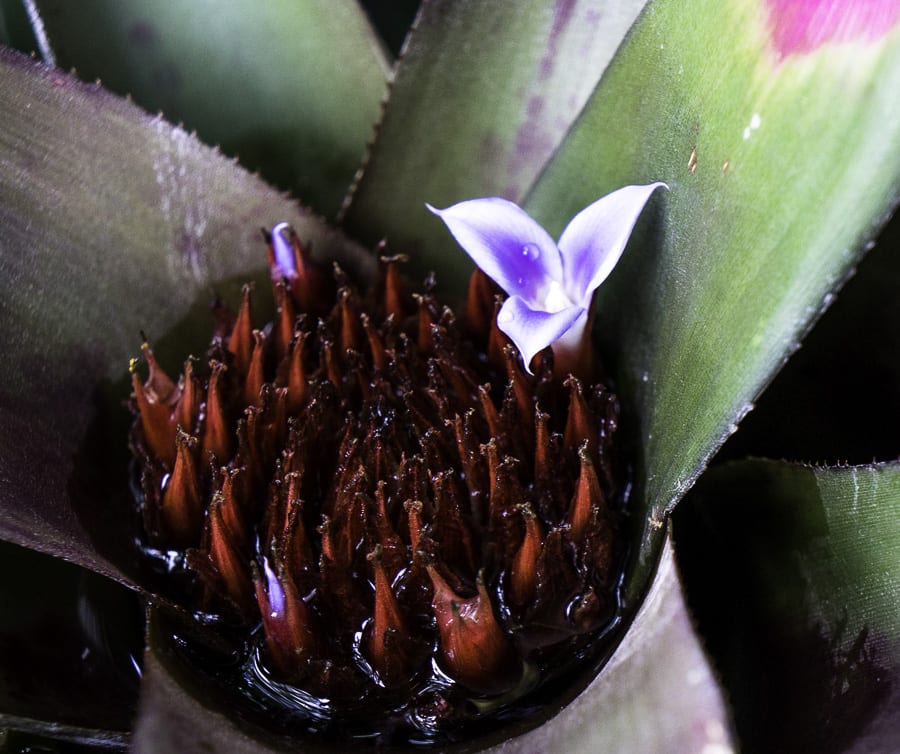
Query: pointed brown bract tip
376,344
497,341
159,386
283,330
234,506
351,335
395,301
181,509
187,410
227,554
388,642
479,312
521,388
474,648
587,498
310,288
334,371
157,431
216,437
581,425
254,371
543,467
425,336
491,415
240,342
524,568
414,513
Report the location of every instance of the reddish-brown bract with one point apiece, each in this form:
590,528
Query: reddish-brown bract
385,489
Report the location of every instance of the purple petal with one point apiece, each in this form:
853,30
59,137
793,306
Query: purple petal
594,240
531,330
511,248
284,251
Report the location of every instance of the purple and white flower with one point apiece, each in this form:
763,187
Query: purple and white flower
550,285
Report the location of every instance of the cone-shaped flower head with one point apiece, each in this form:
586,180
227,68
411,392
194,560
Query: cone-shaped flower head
397,519
550,285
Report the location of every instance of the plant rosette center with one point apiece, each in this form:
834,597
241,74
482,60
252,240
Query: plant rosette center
409,532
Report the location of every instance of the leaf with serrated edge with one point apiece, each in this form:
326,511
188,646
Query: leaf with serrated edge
290,86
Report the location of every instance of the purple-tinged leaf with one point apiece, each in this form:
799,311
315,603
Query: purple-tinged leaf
290,87
110,222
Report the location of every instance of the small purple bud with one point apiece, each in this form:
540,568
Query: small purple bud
275,591
284,250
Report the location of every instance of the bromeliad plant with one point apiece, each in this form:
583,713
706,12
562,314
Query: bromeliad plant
774,125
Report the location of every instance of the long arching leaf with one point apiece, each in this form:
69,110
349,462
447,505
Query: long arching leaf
292,87
782,158
110,222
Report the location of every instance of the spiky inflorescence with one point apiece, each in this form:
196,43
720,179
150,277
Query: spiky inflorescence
380,484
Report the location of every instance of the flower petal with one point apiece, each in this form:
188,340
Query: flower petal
511,248
532,331
594,240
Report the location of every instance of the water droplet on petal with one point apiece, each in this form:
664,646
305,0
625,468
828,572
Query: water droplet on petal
531,251
505,316
520,281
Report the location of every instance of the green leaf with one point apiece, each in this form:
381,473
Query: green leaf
793,575
483,94
779,169
110,222
829,403
657,693
293,88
